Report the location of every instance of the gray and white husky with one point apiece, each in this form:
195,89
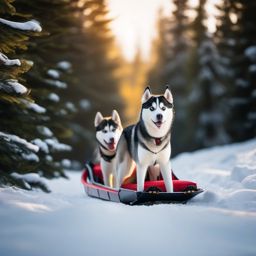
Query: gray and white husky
147,143
108,132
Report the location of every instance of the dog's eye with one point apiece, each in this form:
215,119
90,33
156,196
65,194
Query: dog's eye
114,129
104,131
163,108
151,108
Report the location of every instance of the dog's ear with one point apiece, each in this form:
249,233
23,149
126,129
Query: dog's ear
168,95
146,96
98,119
116,117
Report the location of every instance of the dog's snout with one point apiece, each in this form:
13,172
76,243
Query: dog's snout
111,140
159,117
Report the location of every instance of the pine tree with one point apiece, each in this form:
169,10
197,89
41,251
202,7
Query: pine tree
52,75
207,88
18,116
98,86
176,71
242,113
78,35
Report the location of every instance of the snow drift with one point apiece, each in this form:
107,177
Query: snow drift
221,221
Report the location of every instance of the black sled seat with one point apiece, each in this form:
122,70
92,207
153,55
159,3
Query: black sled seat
154,191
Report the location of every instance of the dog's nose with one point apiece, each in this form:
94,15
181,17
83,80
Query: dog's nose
159,117
111,140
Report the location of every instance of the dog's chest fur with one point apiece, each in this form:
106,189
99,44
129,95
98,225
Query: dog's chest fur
142,147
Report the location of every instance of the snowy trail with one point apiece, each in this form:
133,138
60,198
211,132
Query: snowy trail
222,221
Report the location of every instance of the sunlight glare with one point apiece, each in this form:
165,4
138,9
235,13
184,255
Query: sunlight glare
134,22
33,207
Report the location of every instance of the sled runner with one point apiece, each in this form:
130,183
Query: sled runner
154,191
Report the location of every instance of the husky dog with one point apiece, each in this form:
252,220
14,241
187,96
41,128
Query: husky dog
147,143
108,132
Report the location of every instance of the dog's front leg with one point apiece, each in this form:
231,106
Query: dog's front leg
106,172
141,174
124,169
166,171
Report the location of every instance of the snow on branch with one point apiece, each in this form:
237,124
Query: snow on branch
53,97
33,106
44,131
64,65
250,53
7,62
56,83
55,145
85,104
31,157
71,107
16,86
53,73
31,179
42,145
31,25
17,139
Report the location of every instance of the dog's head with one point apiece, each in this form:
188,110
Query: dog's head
157,112
108,130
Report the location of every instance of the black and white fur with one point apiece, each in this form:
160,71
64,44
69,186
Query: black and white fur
108,132
147,143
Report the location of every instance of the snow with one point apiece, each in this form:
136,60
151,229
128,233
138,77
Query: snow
251,116
49,158
17,139
85,104
250,53
223,170
241,83
44,131
66,163
17,87
30,157
221,221
217,89
31,25
54,97
70,106
206,74
64,65
35,107
240,172
63,112
56,83
55,145
42,145
7,62
238,101
29,179
53,73
250,182
252,68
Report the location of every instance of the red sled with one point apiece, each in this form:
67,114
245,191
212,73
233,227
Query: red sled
154,191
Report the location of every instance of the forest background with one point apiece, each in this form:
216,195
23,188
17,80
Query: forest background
60,63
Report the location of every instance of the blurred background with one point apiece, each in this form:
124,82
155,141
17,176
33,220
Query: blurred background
99,55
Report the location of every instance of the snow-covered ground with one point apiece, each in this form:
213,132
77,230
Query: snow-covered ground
221,221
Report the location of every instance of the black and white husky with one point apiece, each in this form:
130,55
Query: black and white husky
108,132
147,143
